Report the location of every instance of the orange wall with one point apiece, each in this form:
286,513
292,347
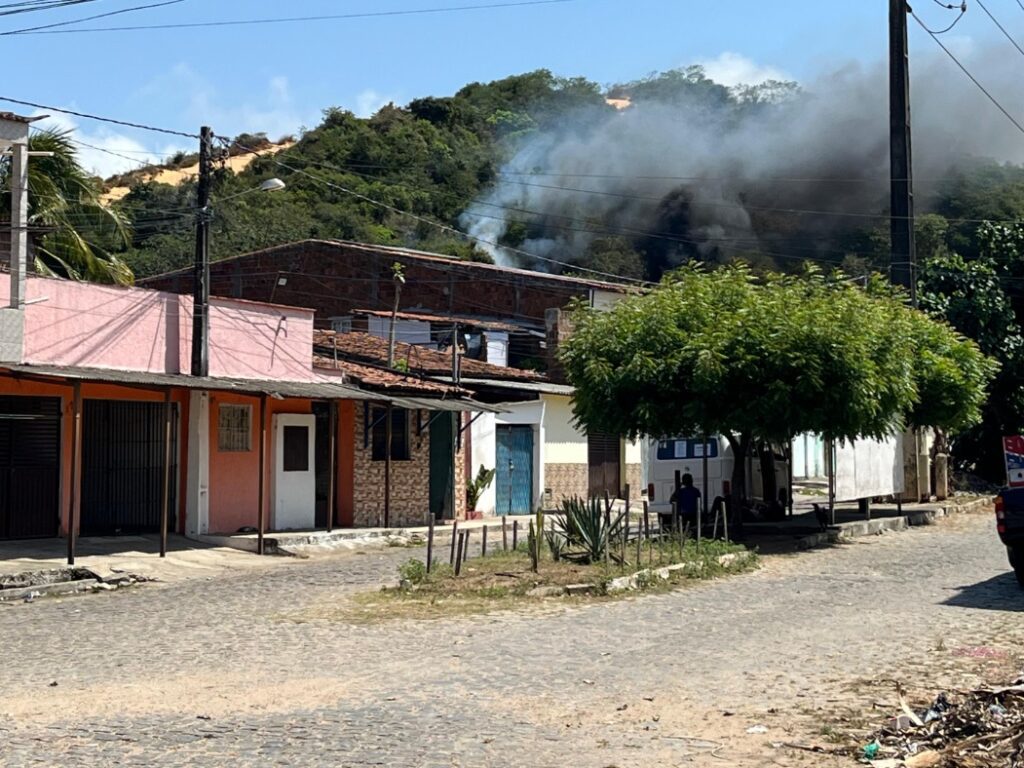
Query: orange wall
27,387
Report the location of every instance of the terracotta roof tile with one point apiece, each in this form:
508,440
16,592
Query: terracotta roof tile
381,378
366,348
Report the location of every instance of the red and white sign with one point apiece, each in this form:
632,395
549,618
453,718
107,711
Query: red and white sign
1013,450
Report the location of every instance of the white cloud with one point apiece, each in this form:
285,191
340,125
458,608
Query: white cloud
106,152
369,101
198,101
731,69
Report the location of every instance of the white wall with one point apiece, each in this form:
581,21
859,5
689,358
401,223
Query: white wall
867,468
497,348
409,331
563,442
604,299
483,452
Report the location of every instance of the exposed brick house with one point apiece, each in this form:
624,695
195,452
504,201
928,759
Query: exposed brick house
511,317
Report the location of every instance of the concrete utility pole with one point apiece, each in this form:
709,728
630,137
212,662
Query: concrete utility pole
903,263
201,283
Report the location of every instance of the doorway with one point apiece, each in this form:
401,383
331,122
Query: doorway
442,454
294,477
514,476
29,467
604,453
123,467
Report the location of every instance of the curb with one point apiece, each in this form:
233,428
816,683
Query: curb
911,519
58,588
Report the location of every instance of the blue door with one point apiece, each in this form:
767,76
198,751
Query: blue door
514,477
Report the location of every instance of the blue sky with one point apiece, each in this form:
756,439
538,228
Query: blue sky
278,78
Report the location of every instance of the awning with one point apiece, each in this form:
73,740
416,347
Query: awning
543,387
311,389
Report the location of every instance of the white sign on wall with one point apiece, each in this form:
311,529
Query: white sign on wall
866,468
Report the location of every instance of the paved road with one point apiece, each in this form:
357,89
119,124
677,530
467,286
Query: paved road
233,671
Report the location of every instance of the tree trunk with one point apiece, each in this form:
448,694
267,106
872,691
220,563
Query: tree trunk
769,485
738,492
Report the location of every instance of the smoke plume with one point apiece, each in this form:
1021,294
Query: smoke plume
682,180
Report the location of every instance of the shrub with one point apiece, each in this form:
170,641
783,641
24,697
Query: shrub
412,572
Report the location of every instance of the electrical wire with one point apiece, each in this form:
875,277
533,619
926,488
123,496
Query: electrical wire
295,19
32,6
98,118
967,72
30,30
1001,27
949,7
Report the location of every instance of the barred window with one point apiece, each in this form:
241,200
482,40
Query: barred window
234,428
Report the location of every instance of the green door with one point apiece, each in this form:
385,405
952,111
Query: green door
441,468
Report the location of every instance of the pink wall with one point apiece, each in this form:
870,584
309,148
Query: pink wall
136,329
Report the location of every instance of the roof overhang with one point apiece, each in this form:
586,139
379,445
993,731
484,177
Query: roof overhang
538,387
303,389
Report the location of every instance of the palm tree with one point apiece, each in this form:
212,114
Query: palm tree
73,234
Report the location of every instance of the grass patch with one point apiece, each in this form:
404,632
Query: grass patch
505,580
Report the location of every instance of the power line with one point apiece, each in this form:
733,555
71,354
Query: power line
29,30
967,72
1001,27
295,19
113,121
32,6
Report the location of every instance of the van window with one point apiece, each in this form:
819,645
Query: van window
684,448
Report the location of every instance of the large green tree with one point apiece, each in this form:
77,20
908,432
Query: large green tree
73,234
723,352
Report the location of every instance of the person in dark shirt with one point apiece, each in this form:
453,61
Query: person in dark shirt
688,498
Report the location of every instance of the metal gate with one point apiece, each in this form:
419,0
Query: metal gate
123,467
603,457
29,467
514,476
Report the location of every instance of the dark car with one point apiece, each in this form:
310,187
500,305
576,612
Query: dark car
1010,526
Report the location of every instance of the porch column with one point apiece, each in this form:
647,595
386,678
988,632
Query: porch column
332,490
166,495
76,477
261,522
197,508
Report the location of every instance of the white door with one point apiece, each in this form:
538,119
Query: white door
294,471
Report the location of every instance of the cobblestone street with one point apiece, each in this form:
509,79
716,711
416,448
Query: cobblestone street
229,672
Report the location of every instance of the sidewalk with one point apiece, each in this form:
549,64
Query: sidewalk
312,542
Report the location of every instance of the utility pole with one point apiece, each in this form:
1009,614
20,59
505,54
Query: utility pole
455,419
903,263
399,279
201,282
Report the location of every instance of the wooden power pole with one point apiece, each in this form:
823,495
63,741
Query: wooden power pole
903,263
201,282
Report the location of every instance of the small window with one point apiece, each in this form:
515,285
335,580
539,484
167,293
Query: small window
234,428
399,434
296,449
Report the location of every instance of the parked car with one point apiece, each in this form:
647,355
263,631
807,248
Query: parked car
1010,526
686,454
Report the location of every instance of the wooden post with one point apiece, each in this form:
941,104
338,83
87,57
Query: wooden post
332,462
387,461
647,534
608,531
465,550
625,530
725,520
515,534
261,522
483,545
458,556
166,495
677,484
504,533
76,475
430,541
455,531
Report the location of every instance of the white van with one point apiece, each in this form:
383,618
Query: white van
686,454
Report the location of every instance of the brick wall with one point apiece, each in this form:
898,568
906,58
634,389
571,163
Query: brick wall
410,481
336,278
563,481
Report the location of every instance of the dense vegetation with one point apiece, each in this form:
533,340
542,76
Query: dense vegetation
406,175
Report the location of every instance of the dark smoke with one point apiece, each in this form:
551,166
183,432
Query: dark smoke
739,170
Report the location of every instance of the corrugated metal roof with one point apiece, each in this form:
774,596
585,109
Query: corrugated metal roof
487,324
312,389
543,387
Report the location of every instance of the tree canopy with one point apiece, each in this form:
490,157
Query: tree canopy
725,352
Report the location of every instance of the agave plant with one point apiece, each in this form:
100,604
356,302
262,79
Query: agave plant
75,234
588,529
